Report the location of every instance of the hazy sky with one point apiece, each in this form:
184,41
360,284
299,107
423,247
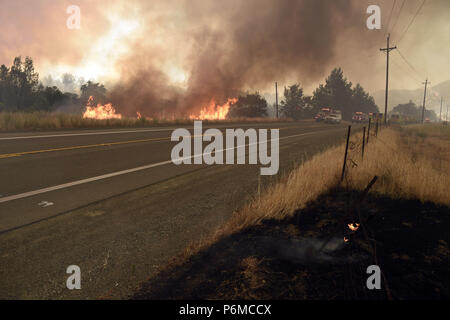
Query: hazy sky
214,45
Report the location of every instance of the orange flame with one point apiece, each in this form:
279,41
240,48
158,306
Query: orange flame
214,111
100,112
138,115
346,239
353,226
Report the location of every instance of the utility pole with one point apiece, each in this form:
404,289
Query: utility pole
424,99
446,115
440,112
387,49
276,98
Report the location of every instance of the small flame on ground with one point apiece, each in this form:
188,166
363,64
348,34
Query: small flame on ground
138,115
353,226
346,239
214,111
100,112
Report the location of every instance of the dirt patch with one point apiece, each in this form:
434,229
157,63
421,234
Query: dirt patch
305,256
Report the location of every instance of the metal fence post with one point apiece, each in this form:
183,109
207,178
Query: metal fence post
363,142
376,129
346,152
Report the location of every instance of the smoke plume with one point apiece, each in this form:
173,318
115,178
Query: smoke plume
237,45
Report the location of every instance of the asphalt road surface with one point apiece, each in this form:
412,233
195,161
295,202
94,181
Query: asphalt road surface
111,202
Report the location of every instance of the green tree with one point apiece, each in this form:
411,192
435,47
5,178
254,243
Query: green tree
249,106
95,90
293,105
4,83
409,109
19,84
362,101
20,89
414,112
337,93
51,96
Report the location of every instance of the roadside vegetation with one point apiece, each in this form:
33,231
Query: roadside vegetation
275,246
30,103
41,120
411,163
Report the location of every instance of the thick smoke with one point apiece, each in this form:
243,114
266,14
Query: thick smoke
223,47
237,45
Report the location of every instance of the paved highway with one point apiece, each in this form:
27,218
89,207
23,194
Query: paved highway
111,202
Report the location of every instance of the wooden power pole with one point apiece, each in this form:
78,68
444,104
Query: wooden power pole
387,49
440,112
424,99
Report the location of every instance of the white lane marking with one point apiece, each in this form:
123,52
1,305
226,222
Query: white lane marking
111,132
118,173
45,204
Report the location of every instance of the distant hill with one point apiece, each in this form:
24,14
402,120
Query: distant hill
403,96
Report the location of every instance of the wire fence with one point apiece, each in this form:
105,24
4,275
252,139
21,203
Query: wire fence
353,156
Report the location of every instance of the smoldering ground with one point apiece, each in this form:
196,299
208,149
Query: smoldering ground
307,250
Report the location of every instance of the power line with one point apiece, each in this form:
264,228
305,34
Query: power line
407,72
390,16
398,17
412,21
407,62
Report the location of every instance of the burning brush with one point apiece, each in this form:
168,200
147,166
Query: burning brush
353,227
100,112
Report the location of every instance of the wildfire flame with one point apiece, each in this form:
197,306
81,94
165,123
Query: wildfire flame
214,111
346,239
138,115
100,112
353,226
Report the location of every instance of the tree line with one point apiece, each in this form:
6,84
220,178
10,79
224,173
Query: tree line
414,112
21,90
336,93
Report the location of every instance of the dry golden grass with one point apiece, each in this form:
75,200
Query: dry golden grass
21,121
429,130
408,163
30,121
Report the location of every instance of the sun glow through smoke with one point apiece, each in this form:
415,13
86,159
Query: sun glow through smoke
101,56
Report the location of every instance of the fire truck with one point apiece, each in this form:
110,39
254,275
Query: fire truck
360,117
323,113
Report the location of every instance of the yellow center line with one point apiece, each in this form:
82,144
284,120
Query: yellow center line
18,154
